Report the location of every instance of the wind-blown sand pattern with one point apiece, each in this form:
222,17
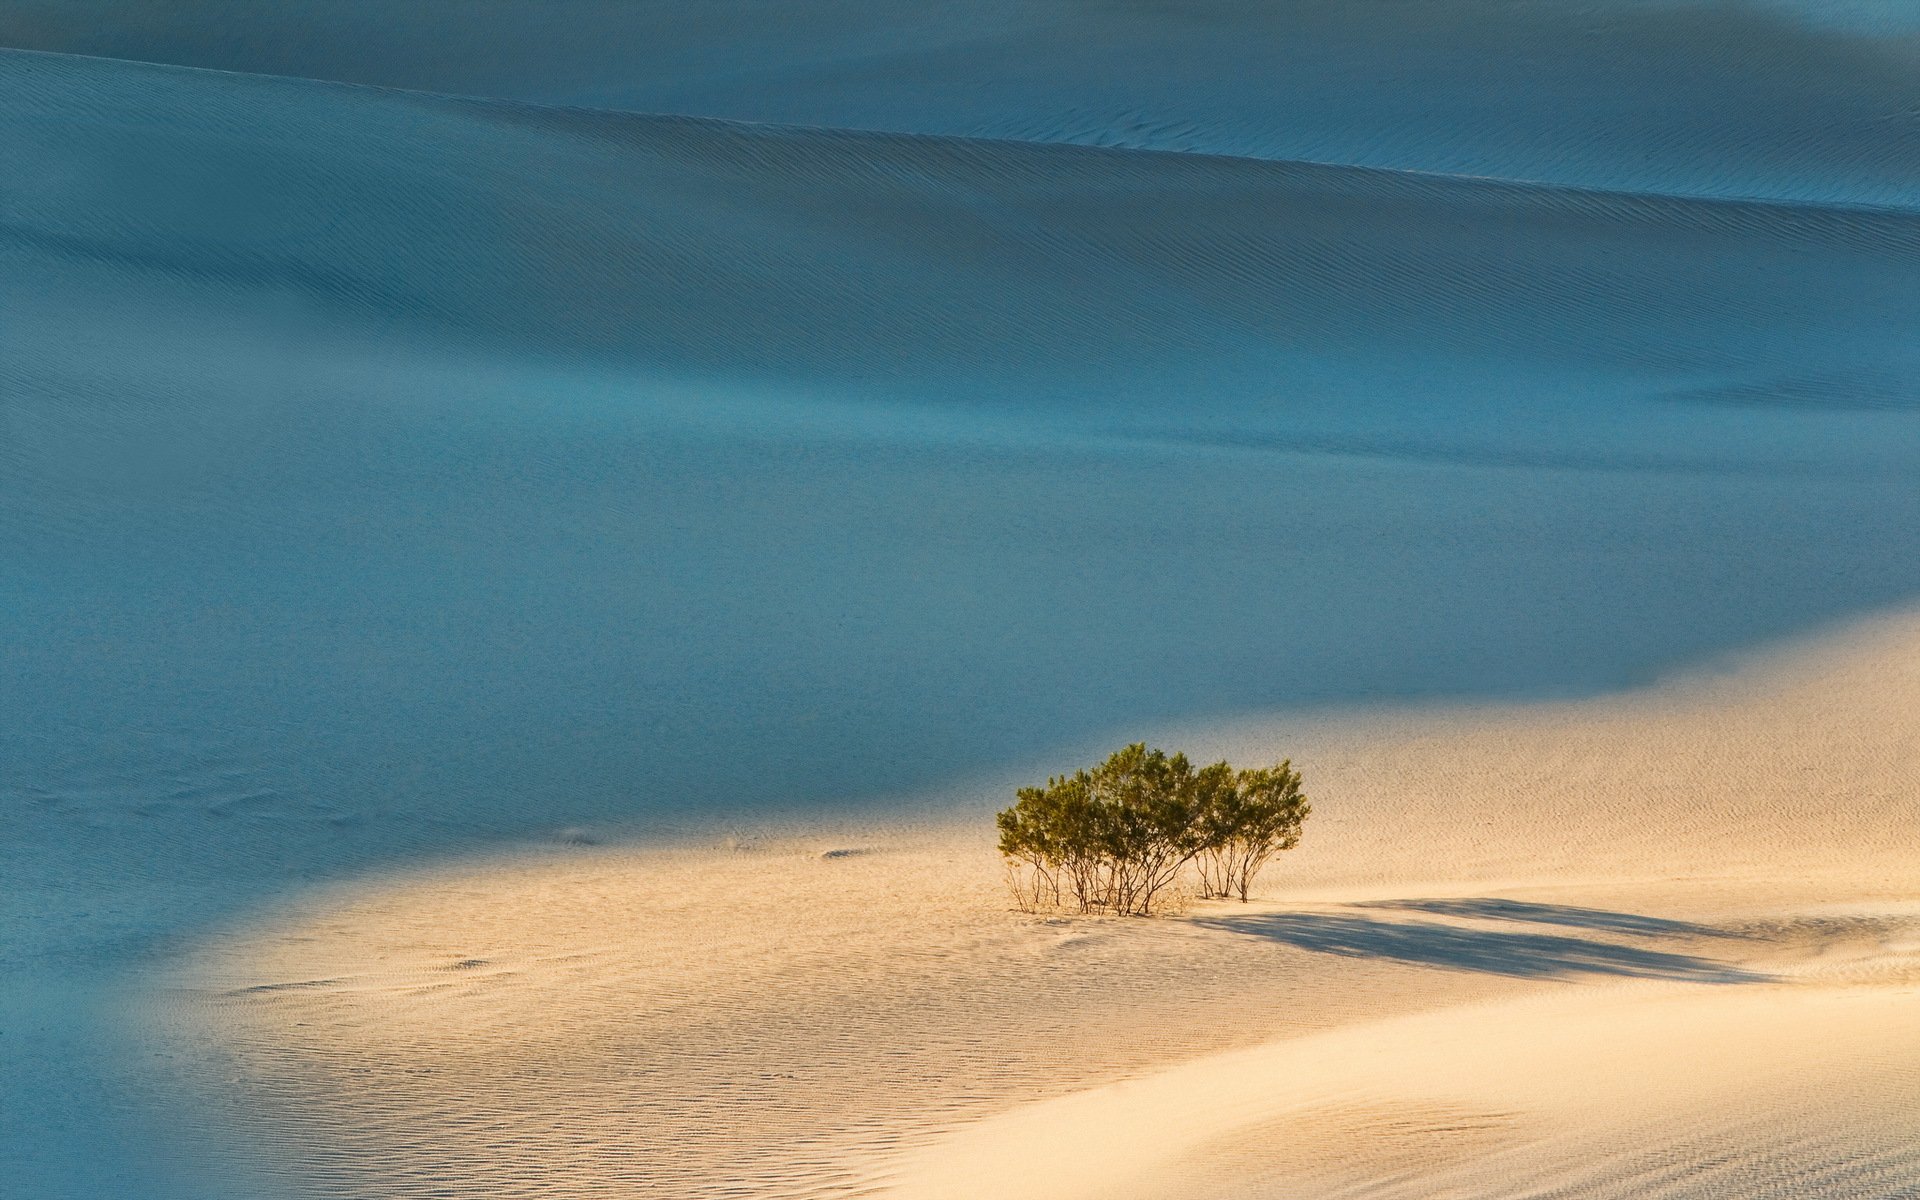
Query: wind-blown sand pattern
1511,964
462,462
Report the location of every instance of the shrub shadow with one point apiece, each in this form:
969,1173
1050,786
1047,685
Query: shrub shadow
1523,955
1491,908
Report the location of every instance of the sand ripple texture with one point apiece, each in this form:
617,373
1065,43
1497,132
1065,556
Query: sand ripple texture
1445,1009
434,429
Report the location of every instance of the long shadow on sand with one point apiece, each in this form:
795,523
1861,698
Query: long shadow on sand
1491,908
1493,951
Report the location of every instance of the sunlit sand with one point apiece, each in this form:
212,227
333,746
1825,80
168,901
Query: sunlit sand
1660,944
536,535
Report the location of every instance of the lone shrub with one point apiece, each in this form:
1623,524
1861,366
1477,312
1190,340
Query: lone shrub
1114,838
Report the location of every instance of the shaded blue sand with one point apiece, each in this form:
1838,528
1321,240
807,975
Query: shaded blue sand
384,476
1795,98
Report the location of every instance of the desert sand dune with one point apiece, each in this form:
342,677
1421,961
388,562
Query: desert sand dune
961,274
1632,1092
482,470
1789,98
1638,946
395,480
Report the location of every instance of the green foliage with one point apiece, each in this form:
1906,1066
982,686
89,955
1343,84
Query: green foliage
1115,837
1250,822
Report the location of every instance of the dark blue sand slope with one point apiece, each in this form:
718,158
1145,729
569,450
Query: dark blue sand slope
383,475
1111,291
1801,99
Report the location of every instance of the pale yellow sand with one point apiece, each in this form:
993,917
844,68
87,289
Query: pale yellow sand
1663,944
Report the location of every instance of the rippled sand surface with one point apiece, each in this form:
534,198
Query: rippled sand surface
462,462
1508,964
